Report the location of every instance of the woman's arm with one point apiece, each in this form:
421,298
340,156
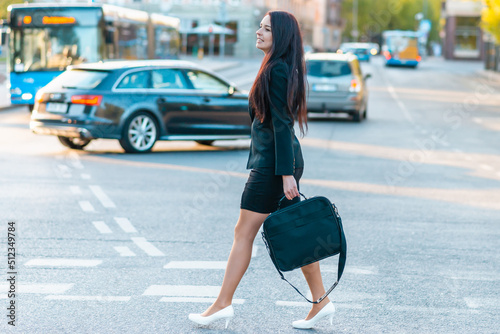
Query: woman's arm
281,121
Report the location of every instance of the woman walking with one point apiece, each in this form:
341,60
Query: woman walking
276,100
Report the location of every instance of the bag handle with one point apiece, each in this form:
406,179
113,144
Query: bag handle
341,265
282,198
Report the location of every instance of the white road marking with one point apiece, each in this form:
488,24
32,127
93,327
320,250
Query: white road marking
102,197
75,190
196,265
86,206
196,300
287,303
146,246
85,176
485,303
75,160
124,251
60,262
255,248
350,269
487,167
85,298
182,290
102,227
65,170
125,225
49,288
478,120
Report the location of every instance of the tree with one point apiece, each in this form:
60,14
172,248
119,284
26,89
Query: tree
3,7
490,18
375,16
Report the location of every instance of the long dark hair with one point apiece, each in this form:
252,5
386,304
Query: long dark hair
287,46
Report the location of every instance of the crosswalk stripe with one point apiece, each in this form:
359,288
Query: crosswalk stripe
102,227
75,190
124,251
196,265
146,246
85,298
182,290
49,288
59,262
255,248
86,206
196,300
102,197
125,225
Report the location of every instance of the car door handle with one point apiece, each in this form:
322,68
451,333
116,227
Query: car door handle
206,99
161,100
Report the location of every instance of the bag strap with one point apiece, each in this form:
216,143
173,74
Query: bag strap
341,265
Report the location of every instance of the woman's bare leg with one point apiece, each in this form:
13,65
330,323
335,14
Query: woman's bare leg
245,231
312,273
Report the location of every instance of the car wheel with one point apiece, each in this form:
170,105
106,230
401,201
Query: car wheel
205,142
75,143
365,112
140,133
31,107
356,116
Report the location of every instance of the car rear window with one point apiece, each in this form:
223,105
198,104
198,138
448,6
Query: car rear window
79,79
328,68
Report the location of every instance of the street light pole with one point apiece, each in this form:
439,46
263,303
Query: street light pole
222,37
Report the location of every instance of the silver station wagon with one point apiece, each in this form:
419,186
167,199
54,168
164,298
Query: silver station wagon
336,85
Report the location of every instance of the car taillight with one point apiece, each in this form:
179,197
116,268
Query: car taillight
419,58
387,55
40,97
355,86
88,100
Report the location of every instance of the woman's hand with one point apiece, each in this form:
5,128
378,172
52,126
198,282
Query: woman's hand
290,187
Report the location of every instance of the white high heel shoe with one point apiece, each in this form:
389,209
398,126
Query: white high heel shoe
226,313
327,311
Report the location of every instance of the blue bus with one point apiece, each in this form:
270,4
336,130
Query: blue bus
400,48
46,38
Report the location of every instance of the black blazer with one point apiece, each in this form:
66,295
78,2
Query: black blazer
274,143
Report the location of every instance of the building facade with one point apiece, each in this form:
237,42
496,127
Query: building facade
463,38
319,19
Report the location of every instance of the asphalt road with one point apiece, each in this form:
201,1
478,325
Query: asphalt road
113,243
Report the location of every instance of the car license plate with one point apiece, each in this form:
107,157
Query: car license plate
57,107
324,88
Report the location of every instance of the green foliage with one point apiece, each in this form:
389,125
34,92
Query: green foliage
3,7
376,16
490,18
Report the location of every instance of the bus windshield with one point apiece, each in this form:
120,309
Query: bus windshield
54,48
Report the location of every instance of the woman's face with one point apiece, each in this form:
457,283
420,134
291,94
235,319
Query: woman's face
264,35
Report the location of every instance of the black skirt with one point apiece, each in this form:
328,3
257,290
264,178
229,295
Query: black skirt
264,190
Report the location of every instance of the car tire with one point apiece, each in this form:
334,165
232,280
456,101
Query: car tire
31,107
140,133
205,142
365,113
74,143
357,116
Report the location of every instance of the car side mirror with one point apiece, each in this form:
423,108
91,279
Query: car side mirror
231,90
367,76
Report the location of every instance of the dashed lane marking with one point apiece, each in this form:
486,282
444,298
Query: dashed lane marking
102,227
124,251
196,300
125,225
48,288
182,290
91,298
102,197
255,248
487,167
60,262
196,265
86,206
146,246
75,190
85,176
